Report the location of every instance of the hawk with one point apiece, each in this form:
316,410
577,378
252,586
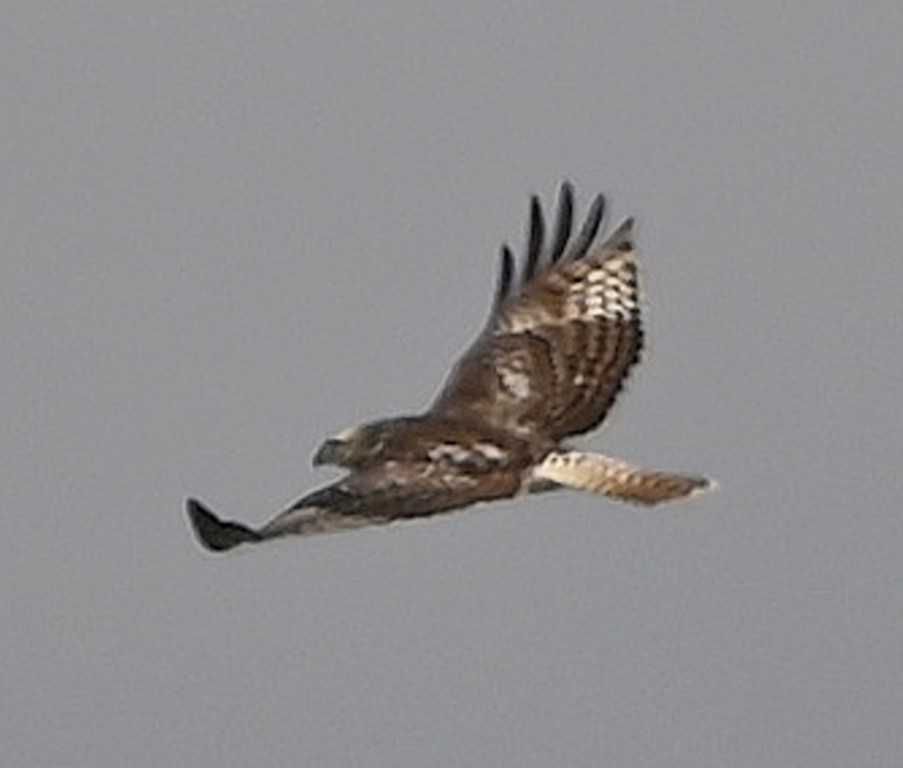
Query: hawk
563,333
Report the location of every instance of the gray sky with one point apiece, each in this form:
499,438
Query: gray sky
229,230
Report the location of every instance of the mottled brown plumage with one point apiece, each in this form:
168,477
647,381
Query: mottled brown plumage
560,340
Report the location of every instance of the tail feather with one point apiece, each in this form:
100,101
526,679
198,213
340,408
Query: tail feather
615,478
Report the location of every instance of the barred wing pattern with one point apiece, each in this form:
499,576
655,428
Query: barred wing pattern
561,339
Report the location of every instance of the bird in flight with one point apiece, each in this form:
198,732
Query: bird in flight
563,333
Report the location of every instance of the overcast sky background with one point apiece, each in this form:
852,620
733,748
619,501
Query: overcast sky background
229,230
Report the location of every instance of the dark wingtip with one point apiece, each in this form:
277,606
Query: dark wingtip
506,276
536,237
215,534
587,234
622,238
563,221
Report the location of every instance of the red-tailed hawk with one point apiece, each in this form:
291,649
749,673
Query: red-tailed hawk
560,339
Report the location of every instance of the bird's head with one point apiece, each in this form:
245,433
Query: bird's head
354,448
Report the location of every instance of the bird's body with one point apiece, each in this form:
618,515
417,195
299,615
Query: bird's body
548,365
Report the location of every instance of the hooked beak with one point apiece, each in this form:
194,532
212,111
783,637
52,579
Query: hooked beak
331,452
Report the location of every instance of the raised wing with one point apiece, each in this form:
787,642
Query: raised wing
562,334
